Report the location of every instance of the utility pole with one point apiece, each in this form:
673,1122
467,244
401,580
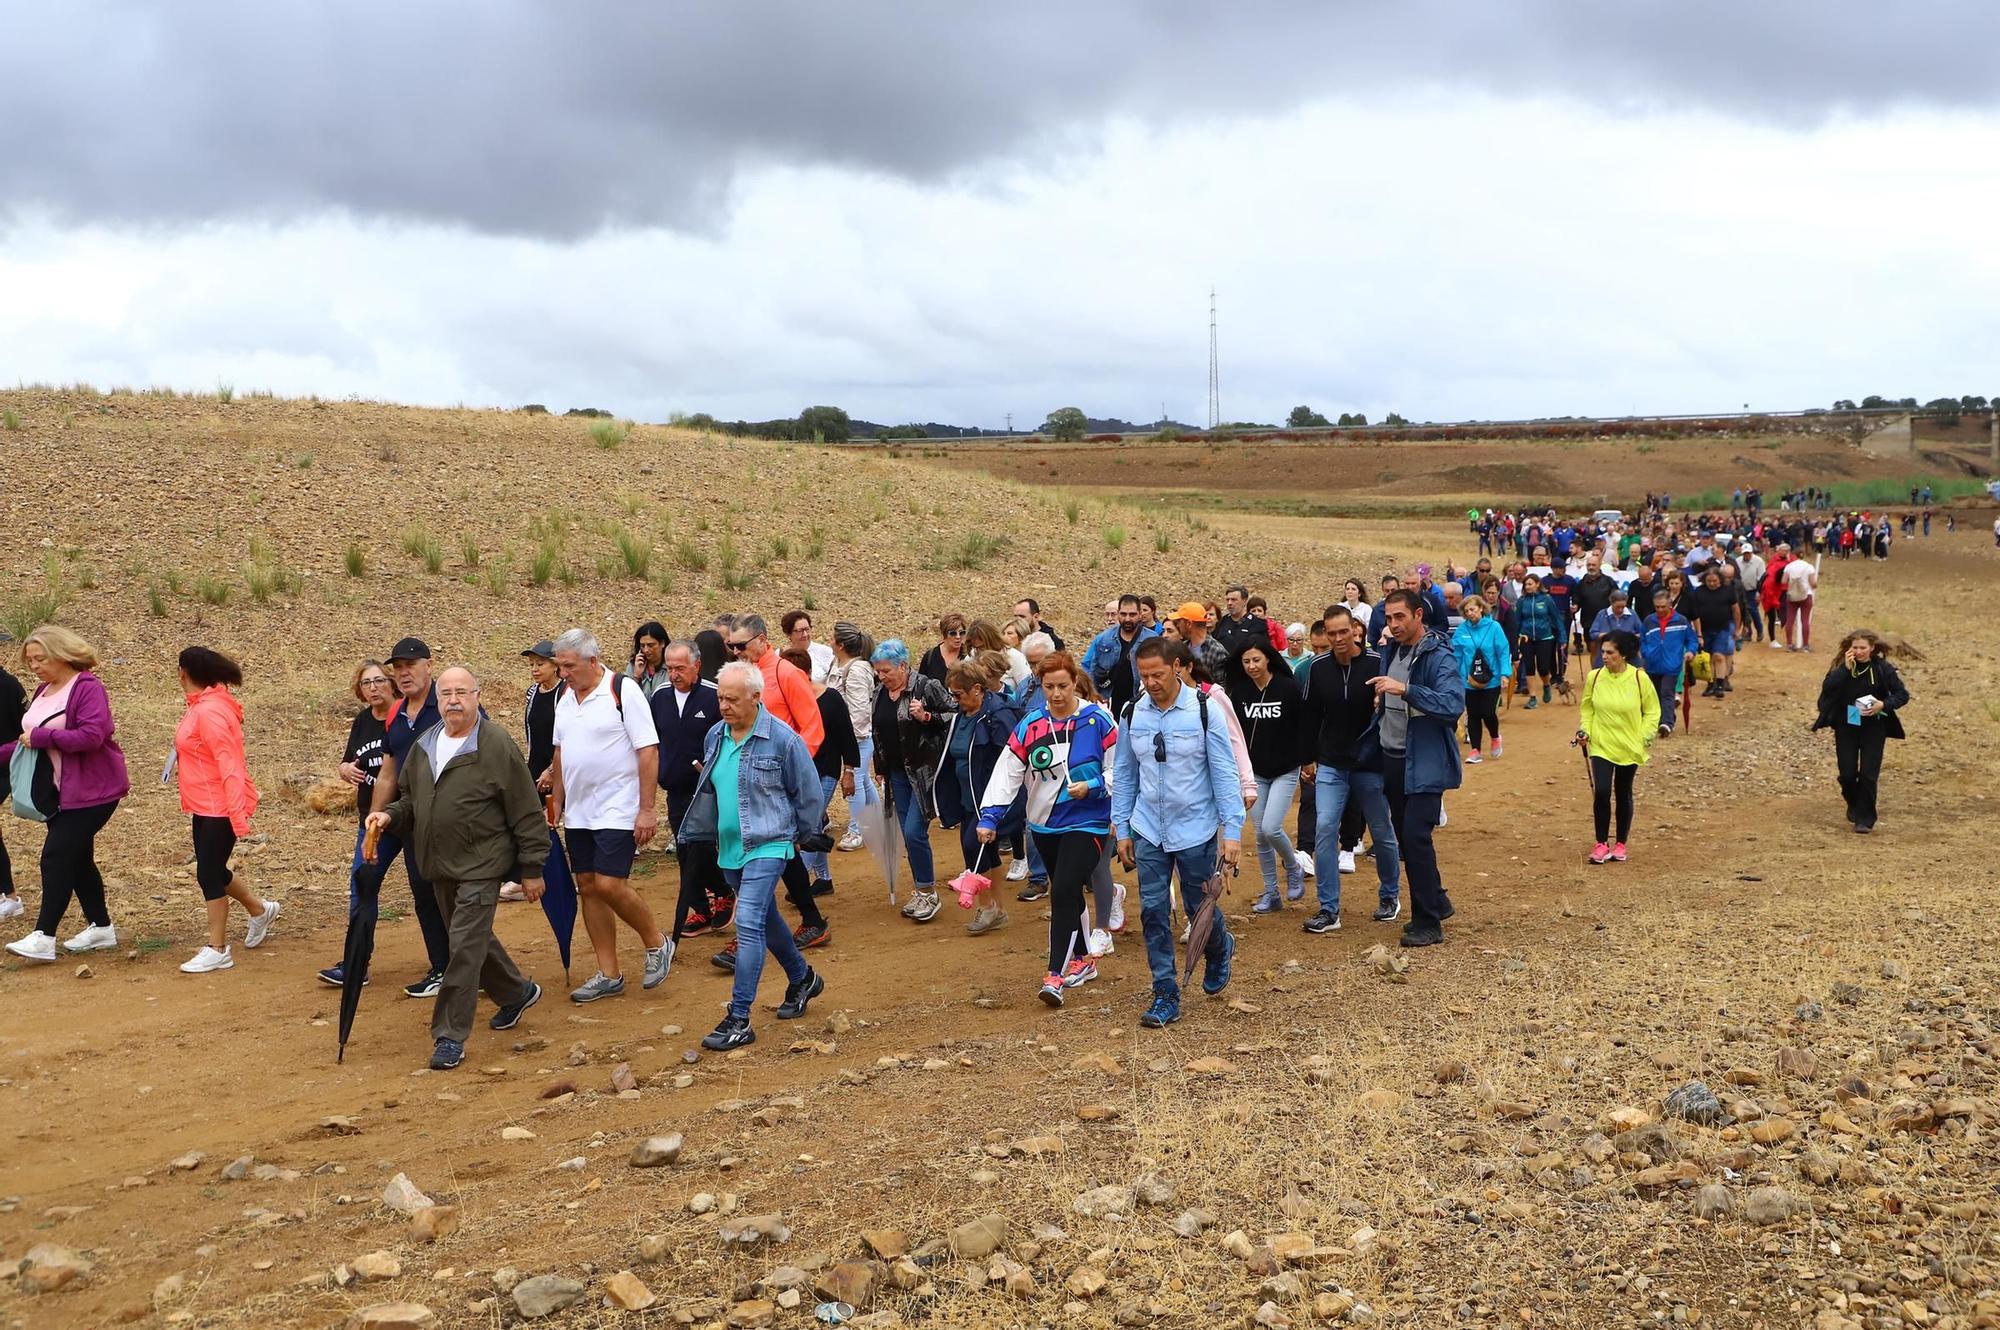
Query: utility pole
1010,422
1214,372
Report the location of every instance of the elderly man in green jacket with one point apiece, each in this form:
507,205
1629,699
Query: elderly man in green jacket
470,813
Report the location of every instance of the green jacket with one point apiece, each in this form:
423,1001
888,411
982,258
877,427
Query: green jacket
478,820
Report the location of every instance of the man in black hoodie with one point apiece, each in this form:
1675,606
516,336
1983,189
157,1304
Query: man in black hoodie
1339,708
1592,593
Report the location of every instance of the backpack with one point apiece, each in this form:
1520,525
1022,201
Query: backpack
1482,672
1201,700
31,782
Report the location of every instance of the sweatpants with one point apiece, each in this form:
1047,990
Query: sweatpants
478,961
69,867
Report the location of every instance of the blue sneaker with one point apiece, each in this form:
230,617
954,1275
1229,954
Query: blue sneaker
1164,1012
1215,974
447,1054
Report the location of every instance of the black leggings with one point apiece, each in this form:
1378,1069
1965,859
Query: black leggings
6,870
214,841
1538,658
1071,858
69,867
1605,778
1482,707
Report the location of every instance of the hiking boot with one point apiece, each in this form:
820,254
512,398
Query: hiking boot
1051,991
1164,1012
446,1054
1388,912
1618,852
923,906
260,927
1600,853
986,920
1078,972
510,1015
726,958
1325,921
800,995
1422,935
599,985
1215,974
734,1032
659,960
1034,891
806,936
426,987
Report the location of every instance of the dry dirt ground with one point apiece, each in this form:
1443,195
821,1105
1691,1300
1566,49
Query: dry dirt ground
1438,1146
1383,475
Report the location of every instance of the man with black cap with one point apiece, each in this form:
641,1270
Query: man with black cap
415,712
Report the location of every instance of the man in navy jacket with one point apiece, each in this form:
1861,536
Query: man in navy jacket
683,714
1420,695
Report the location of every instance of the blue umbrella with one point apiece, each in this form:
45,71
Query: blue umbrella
559,897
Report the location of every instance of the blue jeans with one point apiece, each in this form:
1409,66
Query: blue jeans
1336,787
386,850
758,925
1157,869
916,829
864,788
1274,800
816,863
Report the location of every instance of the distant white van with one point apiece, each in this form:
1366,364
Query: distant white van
1603,515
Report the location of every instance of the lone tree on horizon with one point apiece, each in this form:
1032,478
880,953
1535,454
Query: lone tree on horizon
1066,424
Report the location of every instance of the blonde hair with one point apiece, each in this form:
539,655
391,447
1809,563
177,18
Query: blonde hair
61,644
1480,601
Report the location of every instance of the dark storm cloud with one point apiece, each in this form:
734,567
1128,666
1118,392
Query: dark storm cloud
560,119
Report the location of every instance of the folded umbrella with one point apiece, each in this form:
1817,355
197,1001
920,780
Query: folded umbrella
360,945
559,897
883,836
1202,920
971,882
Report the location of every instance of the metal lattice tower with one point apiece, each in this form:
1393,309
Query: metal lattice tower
1214,373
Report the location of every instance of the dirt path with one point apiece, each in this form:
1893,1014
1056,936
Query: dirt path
1567,991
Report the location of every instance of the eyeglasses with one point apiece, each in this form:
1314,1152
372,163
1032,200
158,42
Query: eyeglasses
954,632
738,648
376,683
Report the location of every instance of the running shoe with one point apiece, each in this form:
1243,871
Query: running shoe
11,907
1324,921
1347,861
511,891
721,909
734,1032
923,906
1051,991
1306,863
1495,750
1295,884
1388,912
427,987
1163,1012
1600,853
446,1054
260,927
1215,974
97,937
806,936
799,996
697,924
851,841
986,920
208,960
1034,891
599,985
1268,903
1472,756
822,886
1099,943
1618,852
1017,871
1118,907
659,960
510,1015
1079,971
726,958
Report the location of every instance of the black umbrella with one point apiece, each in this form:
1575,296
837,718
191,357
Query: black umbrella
360,946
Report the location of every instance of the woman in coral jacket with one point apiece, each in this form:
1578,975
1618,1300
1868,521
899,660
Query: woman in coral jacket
216,791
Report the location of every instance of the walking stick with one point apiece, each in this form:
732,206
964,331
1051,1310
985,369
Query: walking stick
1582,744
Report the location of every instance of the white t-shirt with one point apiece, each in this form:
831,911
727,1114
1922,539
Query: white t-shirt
822,660
1800,579
447,749
600,763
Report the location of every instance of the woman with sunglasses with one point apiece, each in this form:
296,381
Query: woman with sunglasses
360,762
937,662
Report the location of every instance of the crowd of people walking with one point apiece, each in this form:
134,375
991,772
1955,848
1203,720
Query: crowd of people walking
1166,744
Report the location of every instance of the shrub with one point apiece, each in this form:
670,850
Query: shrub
156,604
970,551
543,566
354,559
260,580
636,551
468,550
1162,541
691,556
24,616
211,590
609,434
1114,537
1072,510
10,419
781,548
808,602
225,393
496,578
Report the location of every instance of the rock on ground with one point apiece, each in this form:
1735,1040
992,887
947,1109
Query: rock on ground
393,1316
545,1295
49,1266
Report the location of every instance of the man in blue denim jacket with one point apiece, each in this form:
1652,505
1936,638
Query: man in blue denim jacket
758,796
1176,789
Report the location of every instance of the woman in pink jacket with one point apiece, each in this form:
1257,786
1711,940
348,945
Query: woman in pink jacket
216,791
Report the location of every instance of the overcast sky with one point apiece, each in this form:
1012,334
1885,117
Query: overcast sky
1482,208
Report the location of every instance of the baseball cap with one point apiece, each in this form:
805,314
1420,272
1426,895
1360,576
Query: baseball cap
410,648
544,648
1193,611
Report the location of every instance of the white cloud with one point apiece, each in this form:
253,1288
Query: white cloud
1446,255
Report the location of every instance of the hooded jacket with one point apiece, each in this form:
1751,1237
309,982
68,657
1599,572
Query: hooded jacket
208,753
1487,638
1436,699
93,765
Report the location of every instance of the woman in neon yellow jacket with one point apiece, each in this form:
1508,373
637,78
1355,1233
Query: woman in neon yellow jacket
1617,721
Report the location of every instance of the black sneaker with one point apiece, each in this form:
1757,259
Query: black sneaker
447,1054
1448,911
1034,891
1422,935
1326,921
822,886
1864,827
725,959
1388,912
800,995
734,1032
426,987
510,1016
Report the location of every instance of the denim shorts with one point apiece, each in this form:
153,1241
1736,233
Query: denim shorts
605,852
1721,642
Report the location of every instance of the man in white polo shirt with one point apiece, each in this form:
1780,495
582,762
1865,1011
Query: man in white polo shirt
606,780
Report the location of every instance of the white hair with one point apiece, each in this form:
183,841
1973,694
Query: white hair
752,677
581,641
1037,640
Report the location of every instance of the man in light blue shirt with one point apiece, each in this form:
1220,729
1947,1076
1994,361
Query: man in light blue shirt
1176,790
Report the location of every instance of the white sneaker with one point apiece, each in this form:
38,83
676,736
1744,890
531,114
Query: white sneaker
1347,861
851,841
1118,907
1306,863
1776,645
36,946
1444,818
511,891
260,927
97,937
1018,871
207,959
11,907
1099,943
1186,929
